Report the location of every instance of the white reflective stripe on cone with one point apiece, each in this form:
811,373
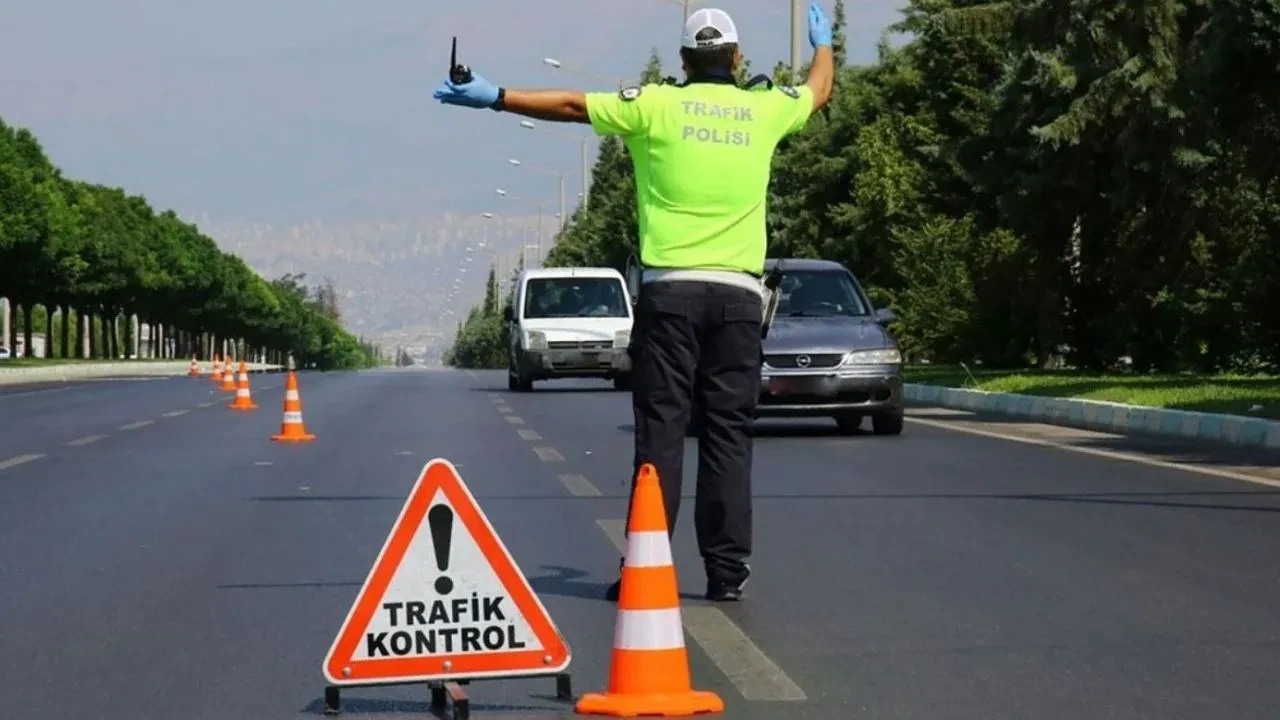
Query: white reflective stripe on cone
291,395
293,418
648,630
648,549
242,392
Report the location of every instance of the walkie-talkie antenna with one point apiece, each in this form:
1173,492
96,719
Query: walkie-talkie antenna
458,74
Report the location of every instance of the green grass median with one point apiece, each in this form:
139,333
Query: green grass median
1248,395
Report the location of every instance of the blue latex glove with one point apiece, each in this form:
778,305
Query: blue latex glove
479,93
819,25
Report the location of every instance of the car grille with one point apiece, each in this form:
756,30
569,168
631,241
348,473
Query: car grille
791,361
584,345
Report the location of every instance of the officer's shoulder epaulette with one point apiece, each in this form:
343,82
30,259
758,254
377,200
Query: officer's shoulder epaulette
760,79
789,91
630,92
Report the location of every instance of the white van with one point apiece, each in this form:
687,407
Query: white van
569,322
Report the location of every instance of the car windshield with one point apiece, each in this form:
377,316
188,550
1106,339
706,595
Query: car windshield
574,297
818,293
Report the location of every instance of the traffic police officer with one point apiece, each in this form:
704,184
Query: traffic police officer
702,152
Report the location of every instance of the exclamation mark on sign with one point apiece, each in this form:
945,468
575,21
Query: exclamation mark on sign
440,521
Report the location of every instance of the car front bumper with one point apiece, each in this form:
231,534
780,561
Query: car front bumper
836,391
555,362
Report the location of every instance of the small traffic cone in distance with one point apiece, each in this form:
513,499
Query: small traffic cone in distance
216,375
194,370
228,378
292,429
649,671
243,401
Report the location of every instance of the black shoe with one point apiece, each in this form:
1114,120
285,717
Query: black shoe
722,591
614,591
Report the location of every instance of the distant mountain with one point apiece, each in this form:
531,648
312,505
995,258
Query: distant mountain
394,278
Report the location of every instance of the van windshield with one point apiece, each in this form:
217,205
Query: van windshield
574,297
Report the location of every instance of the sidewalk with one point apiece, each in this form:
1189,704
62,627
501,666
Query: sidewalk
88,371
1098,415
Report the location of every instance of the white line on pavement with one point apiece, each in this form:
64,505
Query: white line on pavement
529,435
548,454
85,440
579,485
19,460
136,425
1097,452
756,677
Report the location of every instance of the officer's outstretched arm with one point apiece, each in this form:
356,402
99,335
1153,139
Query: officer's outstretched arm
553,105
822,75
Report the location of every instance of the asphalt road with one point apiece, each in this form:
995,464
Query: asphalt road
161,558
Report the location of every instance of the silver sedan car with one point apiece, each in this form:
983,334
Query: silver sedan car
828,352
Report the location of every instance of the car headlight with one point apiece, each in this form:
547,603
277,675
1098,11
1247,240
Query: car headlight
536,340
621,339
887,356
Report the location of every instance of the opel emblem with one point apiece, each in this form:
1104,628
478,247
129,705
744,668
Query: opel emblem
802,361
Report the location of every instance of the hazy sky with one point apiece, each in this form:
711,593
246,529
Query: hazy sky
295,110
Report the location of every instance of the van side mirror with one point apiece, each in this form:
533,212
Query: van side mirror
884,316
508,314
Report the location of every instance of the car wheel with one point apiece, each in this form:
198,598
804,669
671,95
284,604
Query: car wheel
622,382
887,424
849,424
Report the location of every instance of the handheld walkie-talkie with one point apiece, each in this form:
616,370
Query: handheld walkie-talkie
458,74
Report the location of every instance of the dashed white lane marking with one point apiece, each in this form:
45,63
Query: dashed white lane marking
405,452
136,425
505,409
756,677
514,419
25,393
548,454
529,434
751,671
263,462
211,403
85,440
1096,452
579,485
19,460
174,413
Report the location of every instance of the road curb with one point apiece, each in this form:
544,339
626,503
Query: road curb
1106,416
71,372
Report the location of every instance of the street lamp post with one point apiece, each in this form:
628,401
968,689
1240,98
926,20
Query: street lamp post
559,178
582,143
797,22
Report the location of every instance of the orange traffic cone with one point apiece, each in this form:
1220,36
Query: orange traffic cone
649,672
194,370
216,376
228,377
243,400
292,429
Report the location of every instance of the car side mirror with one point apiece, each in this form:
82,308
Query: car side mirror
884,316
508,314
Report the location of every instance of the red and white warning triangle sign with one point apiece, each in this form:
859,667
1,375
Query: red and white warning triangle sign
444,600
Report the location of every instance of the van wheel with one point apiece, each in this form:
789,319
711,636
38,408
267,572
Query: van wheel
887,424
515,383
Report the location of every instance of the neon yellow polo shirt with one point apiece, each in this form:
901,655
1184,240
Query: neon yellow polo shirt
702,155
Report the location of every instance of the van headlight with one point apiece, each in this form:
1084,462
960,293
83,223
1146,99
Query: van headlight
887,356
621,339
536,340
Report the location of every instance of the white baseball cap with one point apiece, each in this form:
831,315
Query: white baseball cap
714,19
